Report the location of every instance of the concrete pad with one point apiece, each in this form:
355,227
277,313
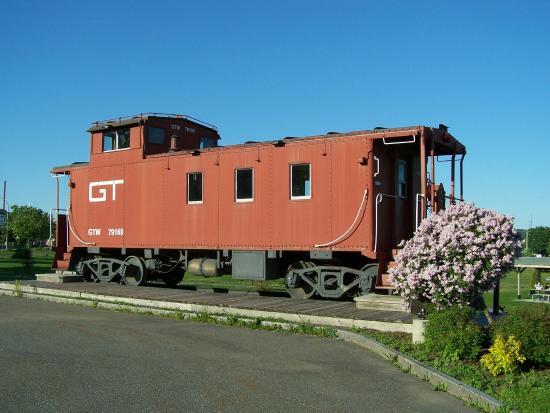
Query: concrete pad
380,302
59,278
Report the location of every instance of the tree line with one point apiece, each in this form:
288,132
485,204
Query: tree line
25,225
537,241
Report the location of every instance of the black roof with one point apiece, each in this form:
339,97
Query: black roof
107,124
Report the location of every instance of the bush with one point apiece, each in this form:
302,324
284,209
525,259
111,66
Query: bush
455,255
503,356
452,334
22,254
531,326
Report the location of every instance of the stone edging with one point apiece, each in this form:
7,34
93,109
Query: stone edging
451,385
334,322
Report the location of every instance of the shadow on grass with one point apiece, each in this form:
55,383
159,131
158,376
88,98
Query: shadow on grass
12,269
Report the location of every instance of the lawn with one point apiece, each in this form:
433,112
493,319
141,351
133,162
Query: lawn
42,258
17,269
227,282
41,261
508,290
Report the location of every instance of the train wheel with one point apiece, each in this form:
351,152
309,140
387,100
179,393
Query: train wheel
296,286
85,271
174,277
134,272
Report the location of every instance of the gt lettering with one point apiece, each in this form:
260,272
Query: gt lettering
100,195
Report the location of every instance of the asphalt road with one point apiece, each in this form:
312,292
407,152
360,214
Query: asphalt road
57,357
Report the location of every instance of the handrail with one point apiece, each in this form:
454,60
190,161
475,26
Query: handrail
73,232
141,115
418,196
399,142
50,215
335,241
378,201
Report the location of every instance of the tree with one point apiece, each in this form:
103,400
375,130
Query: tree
455,255
539,237
28,224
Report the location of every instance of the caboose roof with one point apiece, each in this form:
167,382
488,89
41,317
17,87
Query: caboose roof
141,118
444,142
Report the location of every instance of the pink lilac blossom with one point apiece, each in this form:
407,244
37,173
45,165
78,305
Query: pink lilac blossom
455,255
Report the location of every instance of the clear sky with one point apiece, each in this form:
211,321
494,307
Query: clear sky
267,69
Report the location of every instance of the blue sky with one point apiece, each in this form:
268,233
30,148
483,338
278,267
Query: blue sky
268,69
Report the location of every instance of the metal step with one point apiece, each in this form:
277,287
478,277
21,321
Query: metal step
384,289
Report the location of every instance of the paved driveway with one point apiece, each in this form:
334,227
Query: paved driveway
57,357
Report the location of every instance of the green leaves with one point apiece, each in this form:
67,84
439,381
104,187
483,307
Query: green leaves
27,224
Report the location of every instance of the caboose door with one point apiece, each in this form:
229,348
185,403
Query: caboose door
407,182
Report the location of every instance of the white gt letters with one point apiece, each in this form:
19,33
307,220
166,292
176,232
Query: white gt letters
103,191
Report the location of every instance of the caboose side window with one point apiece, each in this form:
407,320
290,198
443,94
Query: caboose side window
402,179
194,188
155,135
244,185
300,181
206,143
116,140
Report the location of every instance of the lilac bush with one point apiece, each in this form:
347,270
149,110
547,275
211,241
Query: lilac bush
455,255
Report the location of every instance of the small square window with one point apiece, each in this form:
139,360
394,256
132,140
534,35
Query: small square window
116,139
155,135
109,141
244,185
194,188
300,181
206,143
123,139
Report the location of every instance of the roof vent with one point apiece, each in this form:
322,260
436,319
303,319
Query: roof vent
443,127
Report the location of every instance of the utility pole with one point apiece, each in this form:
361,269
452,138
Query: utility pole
527,236
4,211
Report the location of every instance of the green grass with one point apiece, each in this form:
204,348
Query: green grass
41,261
527,391
508,290
227,282
16,269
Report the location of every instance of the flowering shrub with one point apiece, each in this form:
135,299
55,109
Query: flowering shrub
503,356
454,255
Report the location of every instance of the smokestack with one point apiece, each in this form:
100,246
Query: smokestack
4,197
174,143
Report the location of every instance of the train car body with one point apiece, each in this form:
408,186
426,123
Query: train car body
160,197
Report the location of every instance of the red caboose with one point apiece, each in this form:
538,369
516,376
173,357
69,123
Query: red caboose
159,197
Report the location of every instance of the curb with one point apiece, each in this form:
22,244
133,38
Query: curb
12,288
451,385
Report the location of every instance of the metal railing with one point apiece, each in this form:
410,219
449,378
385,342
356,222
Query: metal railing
160,114
50,216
